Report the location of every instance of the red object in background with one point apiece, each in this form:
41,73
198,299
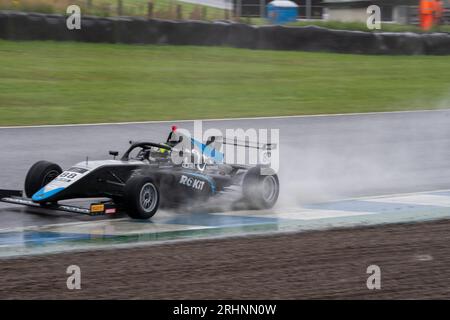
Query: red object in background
431,12
426,14
174,128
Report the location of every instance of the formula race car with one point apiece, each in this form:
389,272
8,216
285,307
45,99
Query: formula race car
147,177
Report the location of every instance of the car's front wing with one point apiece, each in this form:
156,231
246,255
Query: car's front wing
16,197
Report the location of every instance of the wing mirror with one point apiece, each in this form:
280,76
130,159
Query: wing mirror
114,153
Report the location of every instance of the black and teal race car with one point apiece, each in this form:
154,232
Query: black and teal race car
147,177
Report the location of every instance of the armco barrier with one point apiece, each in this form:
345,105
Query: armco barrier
35,26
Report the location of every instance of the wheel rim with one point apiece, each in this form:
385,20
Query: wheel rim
148,197
50,176
269,188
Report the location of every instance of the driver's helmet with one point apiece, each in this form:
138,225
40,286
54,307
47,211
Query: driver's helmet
162,150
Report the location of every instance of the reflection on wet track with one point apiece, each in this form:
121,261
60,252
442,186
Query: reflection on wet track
171,226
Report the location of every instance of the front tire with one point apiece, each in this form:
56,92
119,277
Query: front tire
141,196
39,175
260,191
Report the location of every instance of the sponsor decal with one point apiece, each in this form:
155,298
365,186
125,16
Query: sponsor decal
97,208
110,211
78,170
192,182
73,209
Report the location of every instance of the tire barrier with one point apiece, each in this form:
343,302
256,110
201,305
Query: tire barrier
133,30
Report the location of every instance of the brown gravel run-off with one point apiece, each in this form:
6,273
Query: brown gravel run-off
414,261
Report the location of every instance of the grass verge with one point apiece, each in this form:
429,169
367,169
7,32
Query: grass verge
56,83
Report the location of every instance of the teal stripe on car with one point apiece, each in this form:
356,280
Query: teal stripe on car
42,195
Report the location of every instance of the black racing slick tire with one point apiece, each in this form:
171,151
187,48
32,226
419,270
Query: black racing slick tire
260,191
141,197
40,174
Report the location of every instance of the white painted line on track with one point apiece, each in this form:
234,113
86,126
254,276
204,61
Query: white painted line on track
418,199
225,119
299,214
126,228
380,197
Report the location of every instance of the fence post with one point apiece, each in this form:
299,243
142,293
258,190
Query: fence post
308,9
204,12
262,8
227,14
108,9
119,7
150,10
88,5
238,9
179,12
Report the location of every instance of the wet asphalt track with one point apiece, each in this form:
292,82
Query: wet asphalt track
321,158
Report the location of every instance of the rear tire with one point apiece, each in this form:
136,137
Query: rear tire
260,191
39,175
141,197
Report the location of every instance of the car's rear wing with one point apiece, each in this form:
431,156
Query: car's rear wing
241,143
175,136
